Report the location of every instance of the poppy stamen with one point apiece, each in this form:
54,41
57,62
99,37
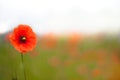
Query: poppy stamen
23,39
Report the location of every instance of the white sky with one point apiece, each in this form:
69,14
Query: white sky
61,16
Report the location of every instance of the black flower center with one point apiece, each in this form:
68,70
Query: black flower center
23,39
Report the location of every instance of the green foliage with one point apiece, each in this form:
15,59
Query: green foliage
57,63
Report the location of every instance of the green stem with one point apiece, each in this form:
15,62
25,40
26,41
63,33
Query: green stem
23,66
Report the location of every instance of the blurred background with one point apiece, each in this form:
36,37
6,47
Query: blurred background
76,39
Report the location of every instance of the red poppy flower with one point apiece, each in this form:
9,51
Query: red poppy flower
23,38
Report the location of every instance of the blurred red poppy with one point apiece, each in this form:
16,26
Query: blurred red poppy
23,38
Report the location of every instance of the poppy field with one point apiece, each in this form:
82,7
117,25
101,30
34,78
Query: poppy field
73,57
